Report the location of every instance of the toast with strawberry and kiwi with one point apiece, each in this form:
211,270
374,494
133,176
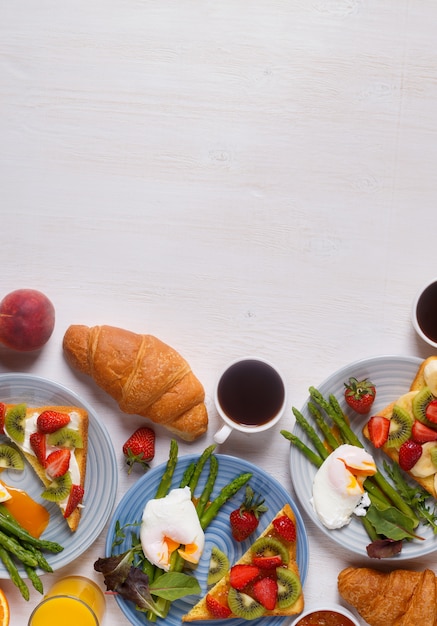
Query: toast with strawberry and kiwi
264,582
406,429
54,441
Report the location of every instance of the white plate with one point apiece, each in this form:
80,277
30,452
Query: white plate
101,477
392,377
130,510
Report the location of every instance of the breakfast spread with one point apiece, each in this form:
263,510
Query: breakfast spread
406,429
54,441
148,378
397,598
264,582
338,490
144,376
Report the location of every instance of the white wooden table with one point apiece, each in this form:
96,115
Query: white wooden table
231,177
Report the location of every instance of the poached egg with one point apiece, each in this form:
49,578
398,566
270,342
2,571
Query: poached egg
171,523
338,489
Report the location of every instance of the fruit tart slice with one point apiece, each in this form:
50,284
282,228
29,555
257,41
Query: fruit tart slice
265,581
406,429
54,441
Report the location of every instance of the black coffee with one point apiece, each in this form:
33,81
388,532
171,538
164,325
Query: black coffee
427,312
251,392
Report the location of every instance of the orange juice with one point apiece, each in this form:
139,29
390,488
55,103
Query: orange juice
72,600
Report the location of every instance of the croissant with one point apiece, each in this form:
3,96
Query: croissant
397,598
144,376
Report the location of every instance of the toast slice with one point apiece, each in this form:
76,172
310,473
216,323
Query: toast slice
221,590
422,391
21,422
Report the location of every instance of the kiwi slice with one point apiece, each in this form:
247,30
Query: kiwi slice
15,419
65,438
289,587
268,546
433,456
10,458
58,489
400,427
243,605
218,566
419,404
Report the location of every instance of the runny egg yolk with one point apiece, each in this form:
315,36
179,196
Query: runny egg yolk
170,524
30,514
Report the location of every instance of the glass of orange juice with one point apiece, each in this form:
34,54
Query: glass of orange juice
72,600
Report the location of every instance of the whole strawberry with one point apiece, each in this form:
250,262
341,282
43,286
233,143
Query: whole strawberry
245,519
140,448
360,394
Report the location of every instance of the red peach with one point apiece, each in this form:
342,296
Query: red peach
27,319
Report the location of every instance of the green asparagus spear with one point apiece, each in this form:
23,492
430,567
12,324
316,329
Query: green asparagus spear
306,426
314,458
14,547
227,492
330,438
209,486
34,578
187,475
42,561
165,484
13,572
11,527
199,467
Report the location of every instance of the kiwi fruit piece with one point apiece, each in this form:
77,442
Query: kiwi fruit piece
218,566
65,438
419,404
400,427
14,422
289,587
10,458
268,546
58,489
243,605
433,456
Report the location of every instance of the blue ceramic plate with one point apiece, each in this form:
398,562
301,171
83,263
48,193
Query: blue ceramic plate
99,494
392,376
130,510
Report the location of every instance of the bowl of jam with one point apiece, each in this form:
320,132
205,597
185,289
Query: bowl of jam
326,615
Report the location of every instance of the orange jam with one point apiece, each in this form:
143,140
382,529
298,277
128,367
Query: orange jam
30,514
325,618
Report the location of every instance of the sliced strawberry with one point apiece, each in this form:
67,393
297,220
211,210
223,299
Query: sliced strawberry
74,499
378,427
58,462
216,608
267,562
265,590
38,444
285,527
409,453
422,433
2,417
431,412
51,421
242,574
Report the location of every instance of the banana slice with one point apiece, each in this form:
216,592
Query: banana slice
430,375
425,466
406,401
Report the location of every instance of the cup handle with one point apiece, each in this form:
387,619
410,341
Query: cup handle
222,434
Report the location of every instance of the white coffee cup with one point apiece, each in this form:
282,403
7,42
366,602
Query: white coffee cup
250,397
424,313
